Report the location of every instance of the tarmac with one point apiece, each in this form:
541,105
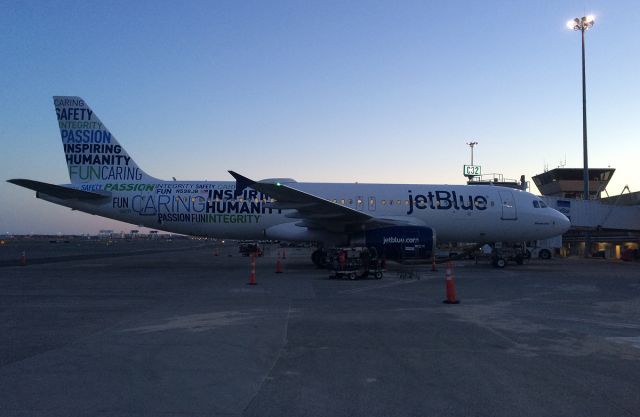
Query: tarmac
176,331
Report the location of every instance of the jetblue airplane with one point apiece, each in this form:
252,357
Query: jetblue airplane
106,181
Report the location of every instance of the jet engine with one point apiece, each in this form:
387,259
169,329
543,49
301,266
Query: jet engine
398,242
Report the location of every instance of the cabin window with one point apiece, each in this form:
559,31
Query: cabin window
536,204
351,201
342,201
543,204
391,202
383,202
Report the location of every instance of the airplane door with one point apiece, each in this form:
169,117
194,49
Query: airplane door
508,205
359,203
372,204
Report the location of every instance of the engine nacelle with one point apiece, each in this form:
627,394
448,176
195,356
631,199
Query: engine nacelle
398,242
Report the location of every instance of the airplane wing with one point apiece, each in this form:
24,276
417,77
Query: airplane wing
316,212
59,191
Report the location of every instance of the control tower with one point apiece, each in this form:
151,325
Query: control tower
568,182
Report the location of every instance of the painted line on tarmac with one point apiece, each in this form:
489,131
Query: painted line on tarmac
587,321
633,341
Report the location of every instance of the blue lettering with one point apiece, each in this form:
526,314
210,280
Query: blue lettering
446,200
443,199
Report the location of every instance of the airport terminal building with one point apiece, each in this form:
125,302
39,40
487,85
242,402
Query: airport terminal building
606,226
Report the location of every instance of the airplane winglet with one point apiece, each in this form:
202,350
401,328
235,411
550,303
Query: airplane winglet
241,183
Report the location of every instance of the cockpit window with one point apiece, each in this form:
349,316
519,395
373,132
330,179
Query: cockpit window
539,204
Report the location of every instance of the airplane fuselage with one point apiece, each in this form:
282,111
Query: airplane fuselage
476,213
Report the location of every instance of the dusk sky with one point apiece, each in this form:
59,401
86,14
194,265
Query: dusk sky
322,91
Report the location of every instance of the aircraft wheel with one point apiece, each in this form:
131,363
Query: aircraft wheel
378,274
500,263
352,276
545,254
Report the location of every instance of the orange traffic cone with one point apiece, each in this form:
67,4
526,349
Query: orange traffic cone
23,259
252,274
451,286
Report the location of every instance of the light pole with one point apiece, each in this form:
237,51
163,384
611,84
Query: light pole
583,24
471,145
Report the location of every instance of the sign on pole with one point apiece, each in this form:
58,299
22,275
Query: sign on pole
472,170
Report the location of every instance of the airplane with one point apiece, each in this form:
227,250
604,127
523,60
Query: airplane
393,218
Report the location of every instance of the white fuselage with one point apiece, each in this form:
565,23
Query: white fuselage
477,213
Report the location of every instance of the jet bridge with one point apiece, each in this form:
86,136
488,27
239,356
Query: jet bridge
594,214
601,226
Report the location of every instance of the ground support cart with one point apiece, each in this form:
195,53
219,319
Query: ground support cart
355,263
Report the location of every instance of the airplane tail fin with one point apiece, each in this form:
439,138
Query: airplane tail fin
93,154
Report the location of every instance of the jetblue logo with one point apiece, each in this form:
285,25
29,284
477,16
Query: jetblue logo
446,200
